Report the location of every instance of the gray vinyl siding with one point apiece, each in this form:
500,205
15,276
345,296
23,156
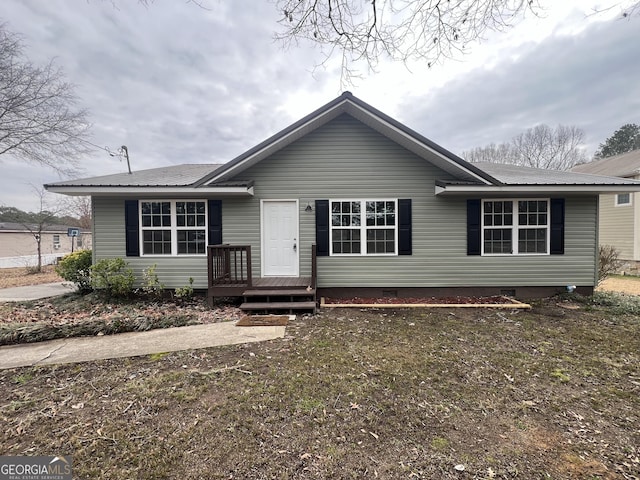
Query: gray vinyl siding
617,225
345,159
109,234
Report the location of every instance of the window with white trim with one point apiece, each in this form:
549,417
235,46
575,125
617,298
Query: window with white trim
56,241
364,227
515,227
623,199
173,227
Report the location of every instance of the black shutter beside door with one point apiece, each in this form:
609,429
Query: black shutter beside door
322,228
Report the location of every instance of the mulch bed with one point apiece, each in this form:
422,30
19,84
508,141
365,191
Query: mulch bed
494,300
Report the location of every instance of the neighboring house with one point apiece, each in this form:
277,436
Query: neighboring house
19,248
352,202
619,212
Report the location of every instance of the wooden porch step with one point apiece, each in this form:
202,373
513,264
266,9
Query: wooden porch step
278,306
290,292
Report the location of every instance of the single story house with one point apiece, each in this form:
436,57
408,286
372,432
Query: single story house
19,248
348,201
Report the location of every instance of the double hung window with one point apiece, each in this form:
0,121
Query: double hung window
173,227
515,227
364,227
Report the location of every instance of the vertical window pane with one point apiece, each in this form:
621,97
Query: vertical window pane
532,240
497,241
156,242
346,241
381,241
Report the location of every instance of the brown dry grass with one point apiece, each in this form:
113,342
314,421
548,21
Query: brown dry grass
621,284
23,276
546,393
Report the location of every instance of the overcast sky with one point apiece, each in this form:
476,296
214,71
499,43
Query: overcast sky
179,84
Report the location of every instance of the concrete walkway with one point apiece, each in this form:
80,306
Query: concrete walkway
84,349
35,292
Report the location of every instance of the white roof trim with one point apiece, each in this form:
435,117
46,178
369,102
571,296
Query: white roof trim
417,143
347,105
227,173
146,191
522,189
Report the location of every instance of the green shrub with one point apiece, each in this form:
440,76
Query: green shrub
113,276
76,268
186,292
150,283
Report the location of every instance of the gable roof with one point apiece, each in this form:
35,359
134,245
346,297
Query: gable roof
623,165
470,178
368,115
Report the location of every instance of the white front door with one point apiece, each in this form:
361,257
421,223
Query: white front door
280,238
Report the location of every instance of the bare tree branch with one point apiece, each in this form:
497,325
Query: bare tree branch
46,216
401,30
39,120
558,148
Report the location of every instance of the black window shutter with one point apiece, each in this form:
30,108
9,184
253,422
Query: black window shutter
473,226
322,228
215,222
131,226
557,226
404,226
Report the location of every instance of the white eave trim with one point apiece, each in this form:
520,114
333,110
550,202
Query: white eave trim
419,144
529,189
146,191
225,173
345,106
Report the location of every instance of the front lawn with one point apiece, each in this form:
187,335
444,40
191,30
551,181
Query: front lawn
553,392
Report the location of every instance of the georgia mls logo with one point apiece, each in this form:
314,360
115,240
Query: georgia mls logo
35,468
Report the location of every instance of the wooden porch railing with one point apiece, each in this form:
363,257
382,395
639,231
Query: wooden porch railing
314,267
229,265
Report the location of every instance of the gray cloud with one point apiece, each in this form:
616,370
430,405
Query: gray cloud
179,84
591,80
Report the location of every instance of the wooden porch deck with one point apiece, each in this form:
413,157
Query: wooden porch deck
276,283
230,276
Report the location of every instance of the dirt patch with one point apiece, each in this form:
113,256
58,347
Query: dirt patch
353,393
22,277
621,283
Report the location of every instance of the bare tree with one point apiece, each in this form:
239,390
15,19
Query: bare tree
43,218
501,153
401,30
558,148
39,121
80,209
555,148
